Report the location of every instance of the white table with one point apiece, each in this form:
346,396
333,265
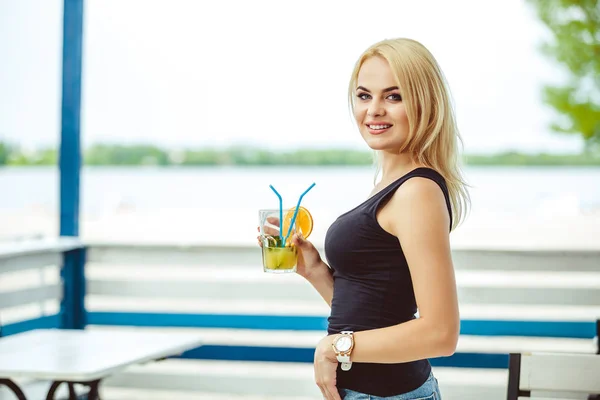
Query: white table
83,356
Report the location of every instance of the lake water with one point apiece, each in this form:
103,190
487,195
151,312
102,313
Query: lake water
218,204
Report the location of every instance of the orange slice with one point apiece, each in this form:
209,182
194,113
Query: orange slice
304,221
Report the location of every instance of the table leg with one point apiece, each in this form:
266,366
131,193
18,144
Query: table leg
93,393
14,387
72,393
52,390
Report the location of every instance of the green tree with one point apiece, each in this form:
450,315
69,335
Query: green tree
45,156
5,152
115,154
575,44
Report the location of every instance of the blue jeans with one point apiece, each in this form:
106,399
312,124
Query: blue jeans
427,391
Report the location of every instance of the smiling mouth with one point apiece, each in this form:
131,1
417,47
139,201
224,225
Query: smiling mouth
379,127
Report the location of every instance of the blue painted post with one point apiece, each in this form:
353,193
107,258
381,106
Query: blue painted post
72,306
73,313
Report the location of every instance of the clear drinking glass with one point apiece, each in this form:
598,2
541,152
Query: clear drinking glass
277,257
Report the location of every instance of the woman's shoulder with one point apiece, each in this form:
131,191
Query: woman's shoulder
418,202
425,171
419,184
420,188
424,189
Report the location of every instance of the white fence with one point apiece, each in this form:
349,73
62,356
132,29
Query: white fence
544,287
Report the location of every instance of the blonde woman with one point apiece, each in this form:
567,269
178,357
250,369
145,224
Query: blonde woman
390,255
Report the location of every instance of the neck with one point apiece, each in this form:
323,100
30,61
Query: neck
394,166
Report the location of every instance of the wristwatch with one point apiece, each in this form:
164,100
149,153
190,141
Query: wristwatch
342,346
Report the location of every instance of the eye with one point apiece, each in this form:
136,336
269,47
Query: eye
363,96
395,97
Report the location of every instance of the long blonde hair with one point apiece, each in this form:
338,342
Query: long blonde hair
433,137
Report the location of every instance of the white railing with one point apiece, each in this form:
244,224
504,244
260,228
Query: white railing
31,292
188,280
30,282
212,280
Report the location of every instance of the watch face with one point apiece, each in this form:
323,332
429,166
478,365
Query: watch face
343,343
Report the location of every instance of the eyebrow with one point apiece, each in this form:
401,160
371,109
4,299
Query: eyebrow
384,90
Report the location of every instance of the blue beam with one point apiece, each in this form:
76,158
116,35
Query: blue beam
70,147
277,322
46,322
559,329
306,355
562,329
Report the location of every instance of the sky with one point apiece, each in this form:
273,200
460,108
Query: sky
268,73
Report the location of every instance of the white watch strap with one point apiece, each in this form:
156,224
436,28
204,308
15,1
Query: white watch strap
345,361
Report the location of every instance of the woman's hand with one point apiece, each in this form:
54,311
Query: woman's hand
309,259
325,368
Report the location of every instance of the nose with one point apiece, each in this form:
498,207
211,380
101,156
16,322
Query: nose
375,109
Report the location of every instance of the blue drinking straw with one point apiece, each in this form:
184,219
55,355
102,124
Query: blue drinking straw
296,212
280,212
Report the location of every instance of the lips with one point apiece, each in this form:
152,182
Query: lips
378,128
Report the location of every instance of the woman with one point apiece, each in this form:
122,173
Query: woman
390,255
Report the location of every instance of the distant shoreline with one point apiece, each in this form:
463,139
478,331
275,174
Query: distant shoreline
148,155
287,166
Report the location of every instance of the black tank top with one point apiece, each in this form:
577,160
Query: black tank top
372,289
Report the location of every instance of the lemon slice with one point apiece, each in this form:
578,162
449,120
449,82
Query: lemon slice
304,221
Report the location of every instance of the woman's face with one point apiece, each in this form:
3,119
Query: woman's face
378,107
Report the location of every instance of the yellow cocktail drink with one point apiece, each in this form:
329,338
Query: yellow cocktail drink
282,259
277,256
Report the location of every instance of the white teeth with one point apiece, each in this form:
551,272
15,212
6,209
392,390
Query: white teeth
378,126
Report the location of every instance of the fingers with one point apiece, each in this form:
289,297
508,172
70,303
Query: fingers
273,221
322,387
269,230
325,378
323,393
258,237
335,395
298,240
329,391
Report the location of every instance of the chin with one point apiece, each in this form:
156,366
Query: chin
383,143
378,144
